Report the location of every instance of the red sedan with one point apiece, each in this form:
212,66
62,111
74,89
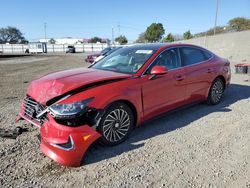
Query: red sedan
105,102
91,58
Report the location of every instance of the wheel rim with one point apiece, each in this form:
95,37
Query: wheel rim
217,91
116,125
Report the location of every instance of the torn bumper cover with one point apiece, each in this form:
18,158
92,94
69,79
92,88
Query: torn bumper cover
63,144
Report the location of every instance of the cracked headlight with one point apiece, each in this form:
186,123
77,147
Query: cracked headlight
71,109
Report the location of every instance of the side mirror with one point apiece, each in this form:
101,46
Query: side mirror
158,70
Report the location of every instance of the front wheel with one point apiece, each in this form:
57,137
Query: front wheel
216,91
116,124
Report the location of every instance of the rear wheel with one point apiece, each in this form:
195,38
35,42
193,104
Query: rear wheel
116,124
216,91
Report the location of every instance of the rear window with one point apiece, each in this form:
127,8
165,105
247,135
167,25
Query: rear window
192,55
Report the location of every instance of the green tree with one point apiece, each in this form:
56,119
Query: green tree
121,39
154,32
187,35
11,35
141,38
239,24
95,40
169,38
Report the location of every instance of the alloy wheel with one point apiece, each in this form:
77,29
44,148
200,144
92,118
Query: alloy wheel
116,125
217,91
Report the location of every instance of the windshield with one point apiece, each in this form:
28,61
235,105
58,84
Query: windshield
105,50
111,51
125,60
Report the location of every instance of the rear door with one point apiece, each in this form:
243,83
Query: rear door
167,91
198,71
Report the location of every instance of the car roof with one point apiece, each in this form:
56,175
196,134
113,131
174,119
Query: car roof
156,46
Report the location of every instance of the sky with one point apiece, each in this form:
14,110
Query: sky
89,18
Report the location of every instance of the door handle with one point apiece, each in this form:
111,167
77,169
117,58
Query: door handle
179,78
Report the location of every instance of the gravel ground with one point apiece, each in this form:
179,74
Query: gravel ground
200,146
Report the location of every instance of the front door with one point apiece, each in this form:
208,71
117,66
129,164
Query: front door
164,92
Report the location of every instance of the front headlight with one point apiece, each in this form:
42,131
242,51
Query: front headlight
70,109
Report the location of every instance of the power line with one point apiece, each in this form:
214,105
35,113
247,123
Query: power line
119,29
112,35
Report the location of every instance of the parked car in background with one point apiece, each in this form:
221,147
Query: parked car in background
71,49
91,58
105,102
106,54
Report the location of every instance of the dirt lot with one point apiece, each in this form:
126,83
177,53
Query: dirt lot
201,146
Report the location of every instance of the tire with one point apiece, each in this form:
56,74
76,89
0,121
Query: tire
216,92
116,124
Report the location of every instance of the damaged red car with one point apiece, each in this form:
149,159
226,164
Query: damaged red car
105,102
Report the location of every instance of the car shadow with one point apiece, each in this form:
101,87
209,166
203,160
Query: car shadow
166,123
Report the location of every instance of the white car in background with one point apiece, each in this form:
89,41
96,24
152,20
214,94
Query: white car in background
106,54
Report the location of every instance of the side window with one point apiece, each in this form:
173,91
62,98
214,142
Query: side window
207,54
169,59
192,55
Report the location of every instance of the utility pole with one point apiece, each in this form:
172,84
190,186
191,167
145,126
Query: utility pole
112,35
45,33
119,29
216,14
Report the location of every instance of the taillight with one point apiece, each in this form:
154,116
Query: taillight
227,67
227,64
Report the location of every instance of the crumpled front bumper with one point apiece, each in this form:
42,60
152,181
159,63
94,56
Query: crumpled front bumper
63,144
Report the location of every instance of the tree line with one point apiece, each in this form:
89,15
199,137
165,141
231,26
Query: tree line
154,33
120,39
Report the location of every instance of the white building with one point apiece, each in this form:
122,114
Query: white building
67,40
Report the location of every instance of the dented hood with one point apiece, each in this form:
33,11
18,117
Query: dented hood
58,83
